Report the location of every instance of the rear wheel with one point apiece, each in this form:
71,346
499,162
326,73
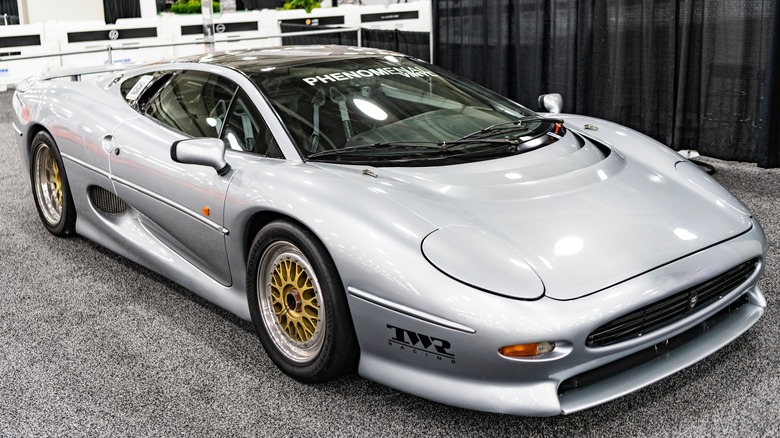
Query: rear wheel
298,305
50,187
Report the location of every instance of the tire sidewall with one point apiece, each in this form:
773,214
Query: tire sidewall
66,224
335,356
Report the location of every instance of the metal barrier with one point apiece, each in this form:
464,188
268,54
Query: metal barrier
30,49
9,20
109,49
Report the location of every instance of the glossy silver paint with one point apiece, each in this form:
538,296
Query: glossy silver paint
552,102
542,246
204,151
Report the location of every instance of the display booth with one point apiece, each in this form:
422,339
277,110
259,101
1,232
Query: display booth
130,40
30,49
25,41
231,31
414,17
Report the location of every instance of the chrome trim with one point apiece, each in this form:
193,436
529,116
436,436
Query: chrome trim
408,311
147,192
18,131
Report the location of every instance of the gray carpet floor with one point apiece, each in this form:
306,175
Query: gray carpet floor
91,344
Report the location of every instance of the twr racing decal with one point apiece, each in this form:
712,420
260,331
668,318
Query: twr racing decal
419,343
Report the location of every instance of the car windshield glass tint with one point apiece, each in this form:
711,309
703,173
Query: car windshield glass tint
335,109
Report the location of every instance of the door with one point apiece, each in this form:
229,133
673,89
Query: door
180,204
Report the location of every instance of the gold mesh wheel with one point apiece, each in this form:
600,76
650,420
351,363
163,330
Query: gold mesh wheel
294,300
291,302
48,184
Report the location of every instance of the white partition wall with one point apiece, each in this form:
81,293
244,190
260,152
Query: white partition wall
335,17
167,35
26,40
148,8
242,29
42,11
128,39
415,16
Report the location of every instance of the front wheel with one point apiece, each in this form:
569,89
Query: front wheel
298,305
50,187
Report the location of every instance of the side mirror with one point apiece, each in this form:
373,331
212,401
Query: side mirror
203,151
552,103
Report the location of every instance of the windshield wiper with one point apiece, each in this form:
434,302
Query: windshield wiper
376,147
510,126
420,146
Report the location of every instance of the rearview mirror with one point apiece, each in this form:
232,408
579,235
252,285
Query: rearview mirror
552,103
203,151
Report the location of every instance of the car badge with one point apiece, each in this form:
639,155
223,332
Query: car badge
692,300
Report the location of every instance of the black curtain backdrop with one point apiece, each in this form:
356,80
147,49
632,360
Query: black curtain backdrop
769,146
11,8
116,9
417,44
689,73
340,38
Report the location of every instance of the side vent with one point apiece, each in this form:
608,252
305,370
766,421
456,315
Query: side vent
106,201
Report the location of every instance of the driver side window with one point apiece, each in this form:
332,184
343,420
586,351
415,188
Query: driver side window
194,103
245,129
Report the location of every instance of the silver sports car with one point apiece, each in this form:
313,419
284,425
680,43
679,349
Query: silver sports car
372,213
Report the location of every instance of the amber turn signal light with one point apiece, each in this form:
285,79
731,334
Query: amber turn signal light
527,350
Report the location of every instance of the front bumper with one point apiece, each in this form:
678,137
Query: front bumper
454,359
665,358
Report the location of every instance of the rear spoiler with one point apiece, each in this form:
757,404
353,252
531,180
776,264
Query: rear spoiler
76,73
73,74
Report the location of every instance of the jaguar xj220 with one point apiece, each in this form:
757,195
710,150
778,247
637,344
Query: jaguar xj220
372,213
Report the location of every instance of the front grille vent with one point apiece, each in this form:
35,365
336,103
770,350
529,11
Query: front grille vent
671,309
106,201
613,369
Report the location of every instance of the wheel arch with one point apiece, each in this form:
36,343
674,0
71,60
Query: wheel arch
33,130
262,218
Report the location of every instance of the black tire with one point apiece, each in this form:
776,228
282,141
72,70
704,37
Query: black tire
298,305
50,187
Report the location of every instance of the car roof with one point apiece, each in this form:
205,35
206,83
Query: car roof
256,60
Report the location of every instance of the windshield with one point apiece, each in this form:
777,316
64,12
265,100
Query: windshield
390,110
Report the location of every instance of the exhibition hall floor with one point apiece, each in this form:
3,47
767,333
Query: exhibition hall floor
92,344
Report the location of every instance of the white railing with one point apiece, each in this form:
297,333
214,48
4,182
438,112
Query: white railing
30,49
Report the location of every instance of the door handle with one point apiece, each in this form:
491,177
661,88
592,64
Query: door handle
108,144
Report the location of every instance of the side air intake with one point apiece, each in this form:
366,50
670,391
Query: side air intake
106,201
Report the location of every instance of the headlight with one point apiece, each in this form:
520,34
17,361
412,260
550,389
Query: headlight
482,261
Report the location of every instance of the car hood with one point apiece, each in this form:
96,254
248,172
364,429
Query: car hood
582,215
